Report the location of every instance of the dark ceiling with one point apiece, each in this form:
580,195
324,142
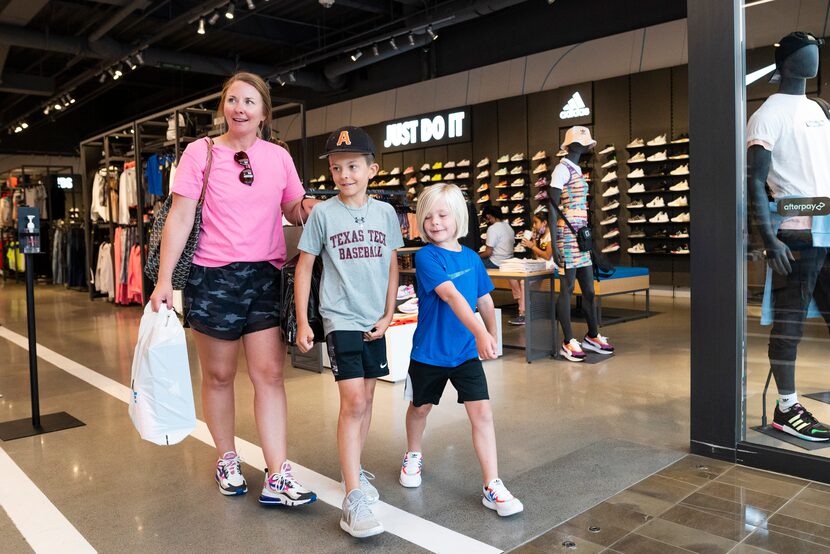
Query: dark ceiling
52,48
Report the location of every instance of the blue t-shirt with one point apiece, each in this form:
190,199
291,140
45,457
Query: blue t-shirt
440,337
153,174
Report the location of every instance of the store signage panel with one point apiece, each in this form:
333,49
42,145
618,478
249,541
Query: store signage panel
791,207
576,105
428,130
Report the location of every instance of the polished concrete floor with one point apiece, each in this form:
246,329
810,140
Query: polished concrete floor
571,436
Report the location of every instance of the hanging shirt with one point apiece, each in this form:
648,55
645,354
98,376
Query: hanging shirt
153,175
127,195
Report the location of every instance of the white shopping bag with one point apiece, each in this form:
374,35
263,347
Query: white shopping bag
161,404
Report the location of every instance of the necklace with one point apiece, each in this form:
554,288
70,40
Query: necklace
359,219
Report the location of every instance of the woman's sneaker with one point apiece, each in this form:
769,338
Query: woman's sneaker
372,494
572,351
518,320
411,470
280,489
798,422
498,498
598,344
229,475
357,518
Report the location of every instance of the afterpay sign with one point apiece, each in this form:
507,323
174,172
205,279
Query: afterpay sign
428,130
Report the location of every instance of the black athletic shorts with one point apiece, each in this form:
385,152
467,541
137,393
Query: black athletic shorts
426,382
233,300
352,357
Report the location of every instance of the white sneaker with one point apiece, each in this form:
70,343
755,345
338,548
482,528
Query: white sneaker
518,196
409,307
640,218
281,489
661,217
609,220
367,488
613,247
518,209
410,476
612,191
679,156
449,165
357,518
395,171
425,179
681,234
636,143
449,176
636,173
681,202
682,249
572,351
657,141
638,248
541,168
681,170
607,150
634,205
561,153
517,157
611,234
405,292
229,475
658,157
681,186
540,155
540,208
610,176
426,167
500,172
516,170
637,187
503,159
483,162
637,158
483,175
611,206
498,498
610,163
656,202
682,218
464,163
518,182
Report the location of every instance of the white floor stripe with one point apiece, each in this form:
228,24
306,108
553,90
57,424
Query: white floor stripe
419,531
42,525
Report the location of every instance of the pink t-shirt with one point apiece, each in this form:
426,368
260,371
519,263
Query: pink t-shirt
240,223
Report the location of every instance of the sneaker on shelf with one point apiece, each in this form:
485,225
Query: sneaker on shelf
484,198
464,163
405,292
612,233
561,153
393,182
598,344
505,209
518,196
636,173
449,165
516,170
483,175
518,209
409,307
681,218
464,175
658,233
483,187
572,351
412,181
540,155
541,168
638,248
660,217
541,182
520,182
610,176
425,167
357,518
517,157
613,247
656,202
658,157
540,208
483,236
680,170
657,141
415,199
411,190
639,218
636,233
395,171
283,490
313,180
679,157
798,422
607,150
609,220
637,158
636,188
411,467
449,177
681,234
502,185
541,195
518,222
613,205
367,488
611,191
503,198
498,498
503,159
634,205
437,165
483,162
610,163
321,187
681,202
519,319
636,143
409,170
229,475
682,249
436,177
682,137
680,187
501,172
425,179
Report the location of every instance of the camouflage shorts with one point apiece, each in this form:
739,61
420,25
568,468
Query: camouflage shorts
233,300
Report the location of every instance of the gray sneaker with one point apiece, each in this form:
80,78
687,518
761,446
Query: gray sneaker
372,494
358,519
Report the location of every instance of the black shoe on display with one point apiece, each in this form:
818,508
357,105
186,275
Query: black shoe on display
798,422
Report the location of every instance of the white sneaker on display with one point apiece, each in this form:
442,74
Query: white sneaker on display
661,217
681,186
613,247
609,220
658,157
636,188
681,202
611,206
636,173
638,248
610,176
607,150
612,191
682,218
680,170
611,234
657,141
610,163
637,158
656,202
503,159
483,162
636,143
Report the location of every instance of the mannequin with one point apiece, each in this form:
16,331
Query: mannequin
788,141
569,190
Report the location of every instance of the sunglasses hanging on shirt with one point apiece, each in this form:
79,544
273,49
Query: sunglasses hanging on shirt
246,176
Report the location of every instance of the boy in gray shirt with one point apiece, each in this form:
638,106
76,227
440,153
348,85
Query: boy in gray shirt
357,237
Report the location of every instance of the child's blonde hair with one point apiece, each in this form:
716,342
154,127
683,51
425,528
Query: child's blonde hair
452,195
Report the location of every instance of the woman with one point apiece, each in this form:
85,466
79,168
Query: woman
232,294
539,246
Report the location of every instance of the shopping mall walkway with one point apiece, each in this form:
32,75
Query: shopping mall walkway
570,437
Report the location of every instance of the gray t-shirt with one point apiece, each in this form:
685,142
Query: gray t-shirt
501,238
356,257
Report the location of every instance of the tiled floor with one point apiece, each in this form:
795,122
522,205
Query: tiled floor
700,505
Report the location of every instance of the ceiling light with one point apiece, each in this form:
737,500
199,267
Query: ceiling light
411,38
139,57
46,110
291,77
129,61
356,55
375,50
24,125
65,101
201,29
102,78
71,100
431,33
18,128
280,80
118,73
229,10
214,17
250,4
57,106
392,43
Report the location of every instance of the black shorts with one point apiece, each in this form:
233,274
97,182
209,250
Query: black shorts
352,357
426,382
233,300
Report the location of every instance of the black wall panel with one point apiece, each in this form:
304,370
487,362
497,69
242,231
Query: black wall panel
512,125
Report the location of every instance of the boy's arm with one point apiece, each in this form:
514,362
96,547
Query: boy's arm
302,286
382,324
485,342
488,313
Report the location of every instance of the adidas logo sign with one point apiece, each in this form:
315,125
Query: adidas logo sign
574,108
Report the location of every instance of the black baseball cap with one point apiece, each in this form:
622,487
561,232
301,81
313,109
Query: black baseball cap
785,47
349,139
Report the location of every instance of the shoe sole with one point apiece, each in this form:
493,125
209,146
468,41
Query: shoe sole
233,492
517,323
598,350
287,502
494,507
364,534
570,357
795,433
411,485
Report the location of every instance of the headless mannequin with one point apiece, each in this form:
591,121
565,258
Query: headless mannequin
796,246
568,277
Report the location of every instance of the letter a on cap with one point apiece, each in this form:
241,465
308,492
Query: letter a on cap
344,139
